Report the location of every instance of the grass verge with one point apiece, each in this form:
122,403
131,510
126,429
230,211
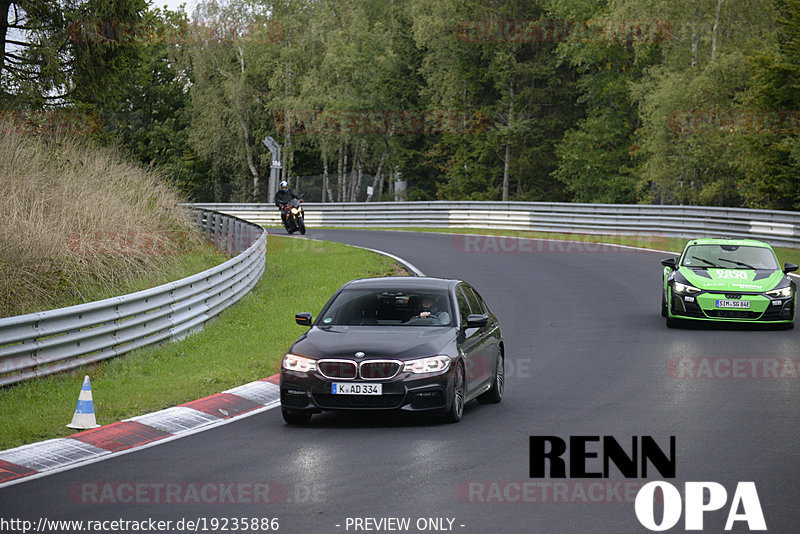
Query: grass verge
80,222
244,344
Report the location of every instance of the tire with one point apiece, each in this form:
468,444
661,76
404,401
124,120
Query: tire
301,225
495,395
456,411
671,323
295,418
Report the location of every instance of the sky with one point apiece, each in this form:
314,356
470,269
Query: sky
173,4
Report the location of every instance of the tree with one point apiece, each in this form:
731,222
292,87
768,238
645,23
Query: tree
689,155
230,68
54,55
150,116
472,61
770,148
597,160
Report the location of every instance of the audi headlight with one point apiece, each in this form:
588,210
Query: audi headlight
293,362
434,364
685,289
782,292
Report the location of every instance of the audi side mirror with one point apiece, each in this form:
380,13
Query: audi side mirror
789,267
303,318
670,262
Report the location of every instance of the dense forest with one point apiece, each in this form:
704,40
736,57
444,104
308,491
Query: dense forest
618,101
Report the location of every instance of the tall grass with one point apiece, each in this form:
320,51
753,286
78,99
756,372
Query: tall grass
76,220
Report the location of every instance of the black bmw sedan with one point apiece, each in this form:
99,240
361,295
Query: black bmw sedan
396,343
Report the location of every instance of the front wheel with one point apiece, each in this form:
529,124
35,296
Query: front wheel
301,225
495,395
453,415
663,305
295,418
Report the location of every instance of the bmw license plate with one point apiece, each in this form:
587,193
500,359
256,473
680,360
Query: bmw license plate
733,303
355,388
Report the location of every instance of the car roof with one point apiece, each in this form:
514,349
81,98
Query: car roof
726,241
401,282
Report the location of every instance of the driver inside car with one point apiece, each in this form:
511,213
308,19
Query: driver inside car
429,308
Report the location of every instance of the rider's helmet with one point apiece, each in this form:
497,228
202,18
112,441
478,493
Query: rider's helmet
284,185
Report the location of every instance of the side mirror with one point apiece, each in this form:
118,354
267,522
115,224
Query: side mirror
477,321
789,267
303,318
670,262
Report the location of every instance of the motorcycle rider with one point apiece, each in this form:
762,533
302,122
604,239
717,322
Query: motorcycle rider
282,198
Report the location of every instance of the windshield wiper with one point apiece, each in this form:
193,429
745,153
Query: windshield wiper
705,261
745,265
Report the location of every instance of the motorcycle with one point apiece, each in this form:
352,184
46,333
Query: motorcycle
293,222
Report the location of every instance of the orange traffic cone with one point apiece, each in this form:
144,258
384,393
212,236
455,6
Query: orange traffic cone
84,411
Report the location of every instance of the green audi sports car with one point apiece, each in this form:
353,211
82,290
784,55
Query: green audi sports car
728,280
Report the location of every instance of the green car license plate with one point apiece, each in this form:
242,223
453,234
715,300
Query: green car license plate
733,304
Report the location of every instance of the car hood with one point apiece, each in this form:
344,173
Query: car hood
398,342
732,279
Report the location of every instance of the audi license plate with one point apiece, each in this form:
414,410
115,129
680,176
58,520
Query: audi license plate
733,303
355,388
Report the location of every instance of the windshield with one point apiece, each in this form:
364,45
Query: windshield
400,307
729,257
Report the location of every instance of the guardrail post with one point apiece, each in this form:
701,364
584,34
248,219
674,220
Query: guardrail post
207,225
215,222
226,236
238,236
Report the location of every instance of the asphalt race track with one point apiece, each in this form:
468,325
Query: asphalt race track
587,354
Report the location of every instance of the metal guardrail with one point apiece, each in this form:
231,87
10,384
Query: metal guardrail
39,344
781,228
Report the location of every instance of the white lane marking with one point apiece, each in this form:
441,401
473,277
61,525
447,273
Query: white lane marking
51,454
176,419
259,392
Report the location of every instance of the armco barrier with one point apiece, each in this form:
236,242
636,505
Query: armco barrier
781,228
44,343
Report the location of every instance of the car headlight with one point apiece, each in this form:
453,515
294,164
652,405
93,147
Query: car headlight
685,288
781,292
293,362
434,364
295,211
